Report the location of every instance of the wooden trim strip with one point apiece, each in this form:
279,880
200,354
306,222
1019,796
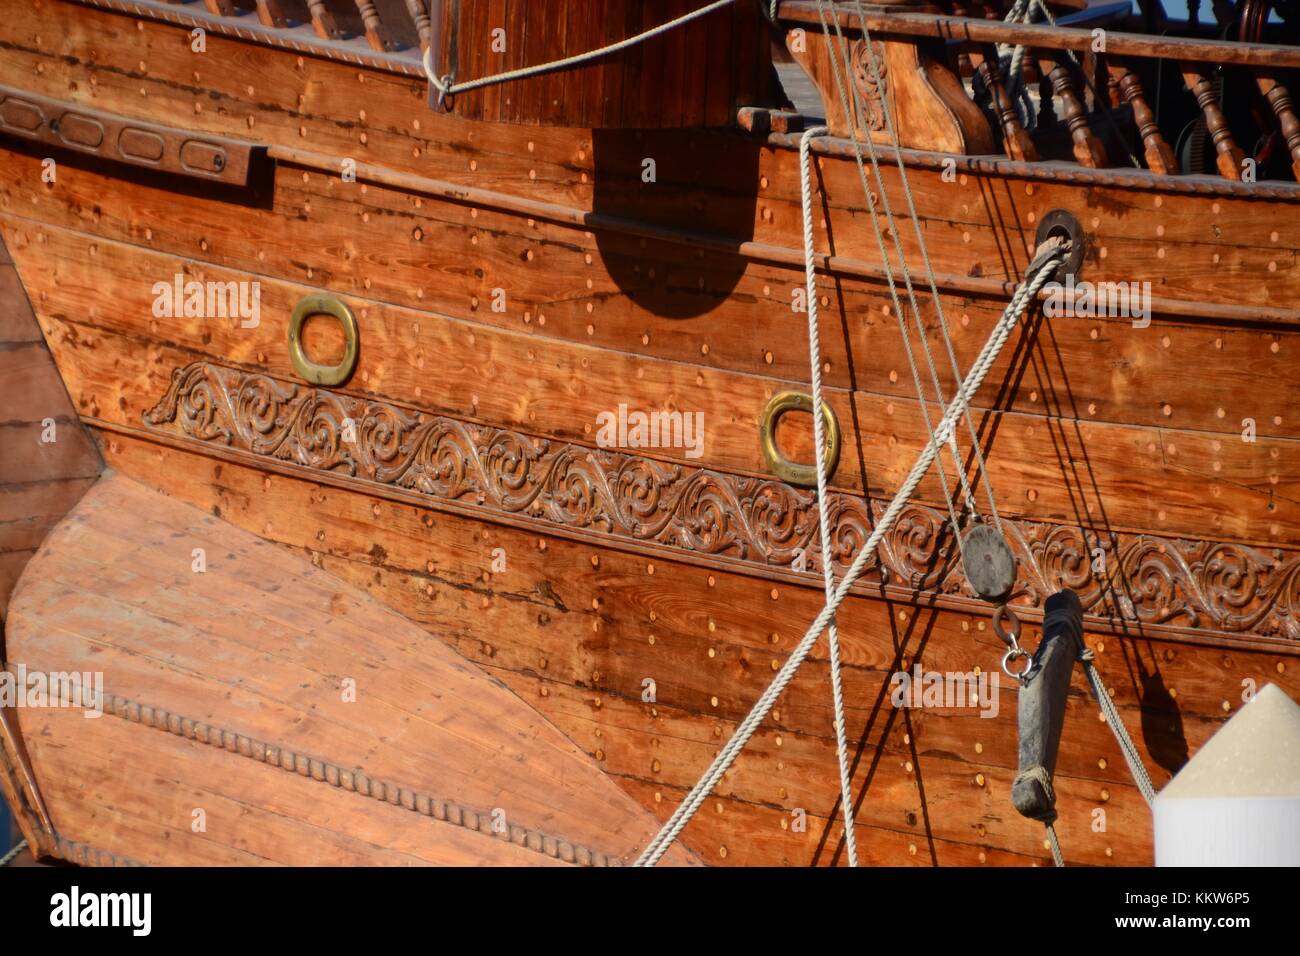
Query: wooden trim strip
122,139
83,854
759,251
804,13
354,781
1060,172
717,519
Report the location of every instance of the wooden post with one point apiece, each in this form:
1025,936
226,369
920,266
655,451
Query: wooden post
1237,802
1279,98
1230,159
1088,150
1015,139
419,11
376,35
1159,154
270,14
322,20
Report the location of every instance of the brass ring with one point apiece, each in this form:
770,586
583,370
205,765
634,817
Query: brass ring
791,471
309,370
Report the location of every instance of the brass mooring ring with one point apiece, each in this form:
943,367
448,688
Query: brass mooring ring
785,469
309,370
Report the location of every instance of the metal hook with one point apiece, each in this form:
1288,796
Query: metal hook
1004,612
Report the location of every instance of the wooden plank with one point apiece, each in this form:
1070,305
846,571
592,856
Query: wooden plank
1078,472
105,799
449,731
566,652
1103,370
17,323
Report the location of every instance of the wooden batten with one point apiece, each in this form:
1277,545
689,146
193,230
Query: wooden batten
698,74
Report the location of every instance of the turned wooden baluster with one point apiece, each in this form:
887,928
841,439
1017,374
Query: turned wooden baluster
222,8
1015,140
1088,150
270,14
420,14
376,35
1159,154
1230,159
1284,109
322,20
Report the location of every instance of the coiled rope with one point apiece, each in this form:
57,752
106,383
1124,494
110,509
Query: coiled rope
446,86
1036,276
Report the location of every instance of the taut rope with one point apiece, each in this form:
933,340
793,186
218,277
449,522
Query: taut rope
1036,276
446,87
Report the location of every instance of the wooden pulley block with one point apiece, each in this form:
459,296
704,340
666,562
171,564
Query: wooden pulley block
988,562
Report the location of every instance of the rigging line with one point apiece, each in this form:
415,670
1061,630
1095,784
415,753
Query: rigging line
911,293
1117,727
446,87
12,854
1057,857
1036,276
982,470
841,83
823,502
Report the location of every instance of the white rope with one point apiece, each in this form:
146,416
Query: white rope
846,92
1057,856
981,469
10,856
823,501
1040,270
446,87
1116,724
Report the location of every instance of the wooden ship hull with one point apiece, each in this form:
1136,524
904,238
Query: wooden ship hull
450,508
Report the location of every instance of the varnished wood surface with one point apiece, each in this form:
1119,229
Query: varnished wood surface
1058,466
262,646
576,628
661,82
1090,424
40,479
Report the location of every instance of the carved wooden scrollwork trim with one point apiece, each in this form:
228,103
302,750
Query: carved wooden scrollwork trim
1125,579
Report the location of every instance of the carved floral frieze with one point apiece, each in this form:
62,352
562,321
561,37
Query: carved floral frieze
1127,578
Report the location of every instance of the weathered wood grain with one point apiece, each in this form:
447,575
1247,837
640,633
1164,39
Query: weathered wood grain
263,645
1066,470
47,461
575,628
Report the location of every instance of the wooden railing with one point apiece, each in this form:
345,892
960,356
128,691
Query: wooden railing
1094,91
1173,104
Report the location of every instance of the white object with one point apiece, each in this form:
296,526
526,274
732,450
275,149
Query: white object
1237,802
